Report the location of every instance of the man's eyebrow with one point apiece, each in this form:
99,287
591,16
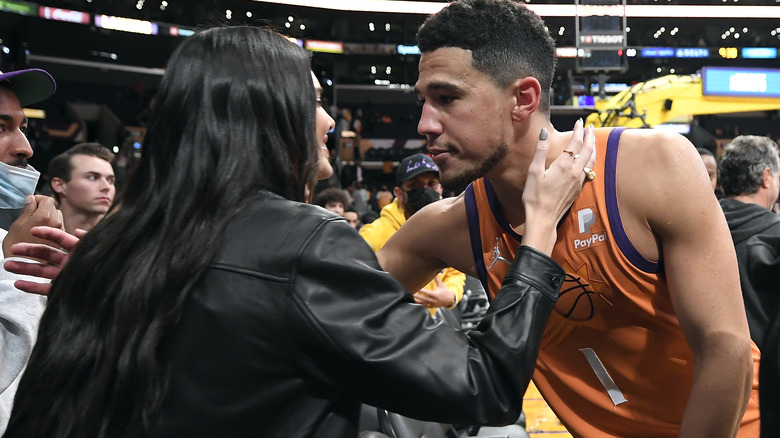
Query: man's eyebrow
9,118
446,86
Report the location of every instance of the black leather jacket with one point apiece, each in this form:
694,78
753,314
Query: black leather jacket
294,324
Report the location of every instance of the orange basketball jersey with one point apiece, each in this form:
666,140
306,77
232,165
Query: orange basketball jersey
613,360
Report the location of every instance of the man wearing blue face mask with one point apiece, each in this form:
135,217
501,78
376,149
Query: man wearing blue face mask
417,185
19,211
17,178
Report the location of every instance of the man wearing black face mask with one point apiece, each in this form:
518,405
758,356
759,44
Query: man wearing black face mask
417,185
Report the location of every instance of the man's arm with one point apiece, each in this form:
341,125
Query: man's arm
432,239
701,269
437,236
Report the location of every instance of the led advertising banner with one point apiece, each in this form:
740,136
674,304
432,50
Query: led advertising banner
126,24
64,15
741,82
759,52
18,7
324,46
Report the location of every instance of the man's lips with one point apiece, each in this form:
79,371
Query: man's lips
439,154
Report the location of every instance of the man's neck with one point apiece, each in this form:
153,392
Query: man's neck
508,177
754,198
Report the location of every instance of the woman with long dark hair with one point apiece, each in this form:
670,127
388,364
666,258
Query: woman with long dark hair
215,303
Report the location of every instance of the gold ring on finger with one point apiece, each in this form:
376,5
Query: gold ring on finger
589,173
571,152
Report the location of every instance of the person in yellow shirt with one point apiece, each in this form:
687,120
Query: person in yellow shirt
417,185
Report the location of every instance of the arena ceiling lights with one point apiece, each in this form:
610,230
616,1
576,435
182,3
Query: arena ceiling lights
544,10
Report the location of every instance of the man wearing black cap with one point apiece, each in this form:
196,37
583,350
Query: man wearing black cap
19,211
417,185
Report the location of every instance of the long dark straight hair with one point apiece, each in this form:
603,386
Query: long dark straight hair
235,114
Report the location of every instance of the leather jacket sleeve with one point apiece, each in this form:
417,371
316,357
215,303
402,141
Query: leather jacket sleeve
358,332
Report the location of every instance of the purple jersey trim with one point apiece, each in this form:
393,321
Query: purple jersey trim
613,213
472,214
498,214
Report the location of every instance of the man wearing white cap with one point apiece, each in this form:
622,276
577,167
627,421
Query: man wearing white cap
19,211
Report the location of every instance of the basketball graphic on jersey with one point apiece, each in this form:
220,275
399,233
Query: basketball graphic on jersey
576,300
579,298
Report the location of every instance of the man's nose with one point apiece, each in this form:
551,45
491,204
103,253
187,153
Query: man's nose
429,124
20,147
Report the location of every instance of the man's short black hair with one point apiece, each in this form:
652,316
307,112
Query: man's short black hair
507,40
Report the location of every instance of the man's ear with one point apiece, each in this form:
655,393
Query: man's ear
527,94
58,185
398,193
767,180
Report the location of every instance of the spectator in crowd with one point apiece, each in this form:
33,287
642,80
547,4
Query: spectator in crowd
19,211
18,89
711,164
368,217
383,197
332,199
361,198
649,337
763,265
352,218
173,318
750,178
417,185
82,180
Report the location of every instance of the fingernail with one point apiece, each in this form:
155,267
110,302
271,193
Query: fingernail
28,199
580,121
543,134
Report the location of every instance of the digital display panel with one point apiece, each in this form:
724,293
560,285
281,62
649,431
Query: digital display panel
324,46
759,52
743,82
586,101
126,24
657,52
692,52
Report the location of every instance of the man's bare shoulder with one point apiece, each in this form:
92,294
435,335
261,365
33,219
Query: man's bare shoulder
652,143
657,160
659,177
452,206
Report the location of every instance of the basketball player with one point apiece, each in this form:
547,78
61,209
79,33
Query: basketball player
651,338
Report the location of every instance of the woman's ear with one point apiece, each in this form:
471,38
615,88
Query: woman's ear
527,93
